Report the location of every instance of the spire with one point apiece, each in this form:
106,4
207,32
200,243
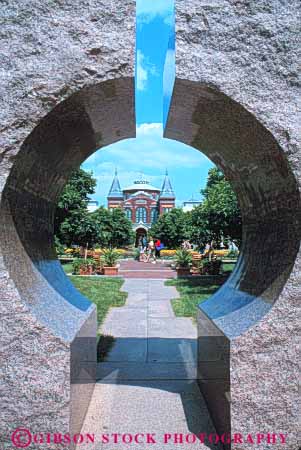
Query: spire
115,190
167,190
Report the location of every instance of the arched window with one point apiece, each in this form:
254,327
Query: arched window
128,213
154,215
141,214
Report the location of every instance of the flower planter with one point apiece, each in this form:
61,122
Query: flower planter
90,270
84,271
183,271
110,270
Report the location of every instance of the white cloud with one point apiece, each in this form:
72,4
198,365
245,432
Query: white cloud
142,75
150,154
144,68
148,151
147,10
149,129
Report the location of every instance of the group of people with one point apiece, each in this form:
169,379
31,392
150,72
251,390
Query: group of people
149,250
210,246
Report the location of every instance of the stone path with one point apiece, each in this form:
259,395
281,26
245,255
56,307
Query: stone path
147,384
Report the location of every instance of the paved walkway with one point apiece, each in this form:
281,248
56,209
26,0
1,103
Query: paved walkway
147,384
136,269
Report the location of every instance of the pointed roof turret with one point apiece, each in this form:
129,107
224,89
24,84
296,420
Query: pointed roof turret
115,190
167,190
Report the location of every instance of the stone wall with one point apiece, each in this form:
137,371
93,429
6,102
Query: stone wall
66,90
235,98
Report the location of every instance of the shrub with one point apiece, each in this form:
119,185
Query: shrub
183,258
59,248
80,263
212,267
110,256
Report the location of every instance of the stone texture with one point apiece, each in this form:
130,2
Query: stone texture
148,406
66,90
235,98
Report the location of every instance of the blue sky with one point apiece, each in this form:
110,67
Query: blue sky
149,153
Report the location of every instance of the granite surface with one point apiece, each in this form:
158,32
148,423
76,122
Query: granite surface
66,89
235,98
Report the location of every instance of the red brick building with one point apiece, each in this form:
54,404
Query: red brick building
142,202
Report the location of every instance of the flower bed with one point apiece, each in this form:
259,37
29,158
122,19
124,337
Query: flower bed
166,252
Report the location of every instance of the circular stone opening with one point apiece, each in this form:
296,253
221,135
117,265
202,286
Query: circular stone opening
202,117
266,188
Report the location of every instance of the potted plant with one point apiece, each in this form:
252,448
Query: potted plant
76,265
110,257
83,266
212,267
183,259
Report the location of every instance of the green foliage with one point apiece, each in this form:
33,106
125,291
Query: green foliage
59,247
76,265
78,228
183,258
73,224
219,215
113,228
171,228
110,257
122,232
214,177
212,267
80,263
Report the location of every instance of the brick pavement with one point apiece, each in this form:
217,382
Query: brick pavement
136,269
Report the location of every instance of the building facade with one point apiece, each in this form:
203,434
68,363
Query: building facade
142,202
189,205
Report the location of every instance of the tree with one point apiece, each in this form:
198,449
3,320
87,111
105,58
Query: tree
222,212
198,228
219,215
214,177
114,229
171,228
103,221
122,231
73,224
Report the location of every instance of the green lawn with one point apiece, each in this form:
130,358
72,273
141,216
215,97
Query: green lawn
67,267
228,267
192,292
104,292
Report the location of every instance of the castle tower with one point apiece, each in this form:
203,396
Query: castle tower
115,195
167,196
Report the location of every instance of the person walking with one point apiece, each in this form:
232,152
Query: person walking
158,248
143,248
151,251
186,245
